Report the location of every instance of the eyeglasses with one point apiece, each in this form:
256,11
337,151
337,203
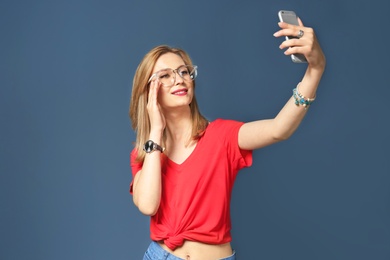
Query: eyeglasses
167,77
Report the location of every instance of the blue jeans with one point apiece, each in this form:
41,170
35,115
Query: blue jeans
156,252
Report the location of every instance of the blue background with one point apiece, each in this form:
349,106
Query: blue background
66,69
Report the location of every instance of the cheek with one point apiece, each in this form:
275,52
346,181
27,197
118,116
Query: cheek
192,92
161,95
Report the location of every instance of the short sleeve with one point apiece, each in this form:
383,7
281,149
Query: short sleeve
229,129
135,167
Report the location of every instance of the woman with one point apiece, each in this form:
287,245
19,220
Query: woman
183,166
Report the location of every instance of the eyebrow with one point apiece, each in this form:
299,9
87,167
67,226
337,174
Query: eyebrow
170,68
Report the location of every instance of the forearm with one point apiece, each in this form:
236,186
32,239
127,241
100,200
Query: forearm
147,185
289,118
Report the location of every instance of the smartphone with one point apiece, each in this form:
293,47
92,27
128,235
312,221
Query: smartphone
291,18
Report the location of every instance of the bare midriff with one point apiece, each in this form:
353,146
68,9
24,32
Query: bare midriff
192,250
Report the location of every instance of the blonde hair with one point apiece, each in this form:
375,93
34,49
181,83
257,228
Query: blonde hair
139,98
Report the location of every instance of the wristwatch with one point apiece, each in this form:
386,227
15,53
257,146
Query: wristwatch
151,146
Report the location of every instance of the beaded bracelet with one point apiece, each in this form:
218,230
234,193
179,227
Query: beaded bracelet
300,99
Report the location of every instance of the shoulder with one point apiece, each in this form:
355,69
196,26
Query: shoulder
223,128
225,132
219,124
225,122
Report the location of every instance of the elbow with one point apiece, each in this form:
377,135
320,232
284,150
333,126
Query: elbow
148,211
283,134
278,137
147,208
282,137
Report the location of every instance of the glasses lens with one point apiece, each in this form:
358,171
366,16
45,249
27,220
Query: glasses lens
187,72
166,77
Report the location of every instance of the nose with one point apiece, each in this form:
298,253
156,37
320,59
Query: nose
178,78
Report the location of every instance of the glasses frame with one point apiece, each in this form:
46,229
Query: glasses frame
193,72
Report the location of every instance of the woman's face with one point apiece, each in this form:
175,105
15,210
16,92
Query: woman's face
182,91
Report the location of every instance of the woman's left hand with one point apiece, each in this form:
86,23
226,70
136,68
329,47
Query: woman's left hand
307,44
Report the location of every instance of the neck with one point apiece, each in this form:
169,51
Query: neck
178,126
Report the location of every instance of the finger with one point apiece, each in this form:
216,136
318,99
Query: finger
306,41
156,90
158,86
296,50
285,25
152,92
290,43
290,30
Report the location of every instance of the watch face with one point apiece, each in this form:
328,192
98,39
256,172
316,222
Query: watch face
148,147
151,146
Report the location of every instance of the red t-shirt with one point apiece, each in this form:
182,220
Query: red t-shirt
195,201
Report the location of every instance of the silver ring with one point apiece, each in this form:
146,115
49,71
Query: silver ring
300,34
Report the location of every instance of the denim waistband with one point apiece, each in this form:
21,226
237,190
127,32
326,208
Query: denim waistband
156,252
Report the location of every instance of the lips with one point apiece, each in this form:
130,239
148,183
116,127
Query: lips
180,92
